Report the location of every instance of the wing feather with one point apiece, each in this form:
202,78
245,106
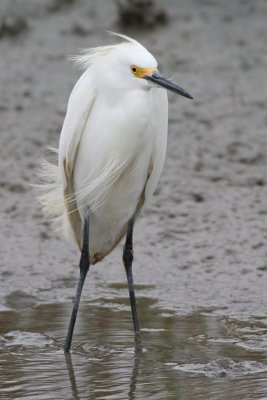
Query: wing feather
58,198
80,104
160,121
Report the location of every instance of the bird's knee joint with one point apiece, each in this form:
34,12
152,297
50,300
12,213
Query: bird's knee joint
128,255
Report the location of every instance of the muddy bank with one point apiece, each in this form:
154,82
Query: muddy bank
202,241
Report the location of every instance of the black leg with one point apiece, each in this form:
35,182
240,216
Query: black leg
84,267
128,260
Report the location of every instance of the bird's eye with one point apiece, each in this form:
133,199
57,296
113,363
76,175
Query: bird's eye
134,69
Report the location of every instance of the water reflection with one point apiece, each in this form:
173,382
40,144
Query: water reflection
197,356
133,383
133,380
72,378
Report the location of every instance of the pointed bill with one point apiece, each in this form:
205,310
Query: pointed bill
158,79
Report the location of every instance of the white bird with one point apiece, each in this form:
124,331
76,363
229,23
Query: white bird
111,153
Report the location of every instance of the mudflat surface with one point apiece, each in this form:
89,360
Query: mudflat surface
200,245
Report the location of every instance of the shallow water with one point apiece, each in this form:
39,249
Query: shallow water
197,356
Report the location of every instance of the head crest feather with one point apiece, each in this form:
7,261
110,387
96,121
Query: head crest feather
86,56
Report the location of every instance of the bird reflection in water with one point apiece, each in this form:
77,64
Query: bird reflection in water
133,381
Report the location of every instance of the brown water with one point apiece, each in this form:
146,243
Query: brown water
197,356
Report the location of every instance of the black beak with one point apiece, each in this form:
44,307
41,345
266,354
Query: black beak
161,81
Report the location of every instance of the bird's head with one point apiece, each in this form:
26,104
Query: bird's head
128,65
154,78
152,75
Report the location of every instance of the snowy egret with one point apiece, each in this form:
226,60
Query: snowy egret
111,153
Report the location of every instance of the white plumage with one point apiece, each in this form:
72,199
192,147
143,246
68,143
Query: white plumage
112,147
111,152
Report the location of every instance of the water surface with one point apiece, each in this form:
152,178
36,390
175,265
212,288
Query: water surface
196,356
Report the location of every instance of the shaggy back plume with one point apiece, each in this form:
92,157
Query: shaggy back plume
49,191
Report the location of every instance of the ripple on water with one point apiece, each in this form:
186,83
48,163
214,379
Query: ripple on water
20,299
224,368
256,344
26,339
153,330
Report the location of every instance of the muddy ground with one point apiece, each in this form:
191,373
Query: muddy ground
202,242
